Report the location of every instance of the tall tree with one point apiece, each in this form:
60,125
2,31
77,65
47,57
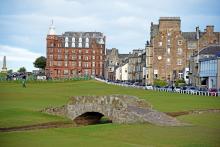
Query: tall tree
22,69
40,62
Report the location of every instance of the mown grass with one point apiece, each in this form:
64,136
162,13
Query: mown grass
20,106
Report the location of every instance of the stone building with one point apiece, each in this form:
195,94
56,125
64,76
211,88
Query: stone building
112,61
75,54
136,64
207,71
169,50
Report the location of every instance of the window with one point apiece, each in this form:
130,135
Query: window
59,63
80,51
80,44
65,63
59,50
93,51
169,34
87,51
74,57
79,63
51,45
100,51
51,50
87,39
100,57
73,44
180,42
51,63
93,72
73,51
66,51
66,39
101,64
179,61
160,43
93,57
179,51
80,39
73,39
51,57
86,64
93,64
168,50
59,57
79,57
168,42
87,45
66,57
86,58
86,72
73,63
65,72
66,44
168,61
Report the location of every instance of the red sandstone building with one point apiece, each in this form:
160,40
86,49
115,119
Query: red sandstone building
75,54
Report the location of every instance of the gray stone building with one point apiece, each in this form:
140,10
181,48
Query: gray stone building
136,66
169,50
112,61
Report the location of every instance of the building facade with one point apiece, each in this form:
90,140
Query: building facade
169,50
208,69
113,60
136,64
75,54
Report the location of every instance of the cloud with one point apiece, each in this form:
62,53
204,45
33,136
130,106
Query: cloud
18,54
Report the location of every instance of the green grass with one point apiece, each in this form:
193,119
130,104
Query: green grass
20,106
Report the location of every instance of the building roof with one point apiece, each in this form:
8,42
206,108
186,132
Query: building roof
84,34
191,36
123,55
211,50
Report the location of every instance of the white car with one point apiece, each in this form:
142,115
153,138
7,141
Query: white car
149,87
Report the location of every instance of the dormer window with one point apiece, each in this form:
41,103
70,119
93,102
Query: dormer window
73,39
66,44
66,39
87,39
80,39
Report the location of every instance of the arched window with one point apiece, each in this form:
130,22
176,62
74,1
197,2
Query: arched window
66,39
80,39
66,44
73,39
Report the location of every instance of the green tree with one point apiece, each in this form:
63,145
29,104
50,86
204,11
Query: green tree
10,71
22,69
40,62
180,82
161,83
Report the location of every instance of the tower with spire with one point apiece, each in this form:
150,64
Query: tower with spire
4,68
52,29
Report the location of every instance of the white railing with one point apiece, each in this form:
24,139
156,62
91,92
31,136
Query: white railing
202,93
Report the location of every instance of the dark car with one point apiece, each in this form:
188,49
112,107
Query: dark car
213,91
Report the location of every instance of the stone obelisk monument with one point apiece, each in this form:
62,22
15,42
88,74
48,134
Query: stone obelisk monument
4,68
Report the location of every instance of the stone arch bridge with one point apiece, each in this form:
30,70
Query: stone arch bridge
117,108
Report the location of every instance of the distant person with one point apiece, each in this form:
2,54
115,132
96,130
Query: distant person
24,81
172,88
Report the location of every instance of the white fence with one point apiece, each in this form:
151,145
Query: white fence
202,93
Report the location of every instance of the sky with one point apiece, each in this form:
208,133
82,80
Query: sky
24,24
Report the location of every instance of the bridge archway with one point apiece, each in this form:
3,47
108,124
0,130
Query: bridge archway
88,118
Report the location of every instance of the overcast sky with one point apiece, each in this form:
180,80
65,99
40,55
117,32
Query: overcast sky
126,23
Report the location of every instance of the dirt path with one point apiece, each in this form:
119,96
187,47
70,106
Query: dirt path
70,124
39,126
175,114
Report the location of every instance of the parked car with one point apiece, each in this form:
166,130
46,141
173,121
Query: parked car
177,89
213,91
192,90
149,87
